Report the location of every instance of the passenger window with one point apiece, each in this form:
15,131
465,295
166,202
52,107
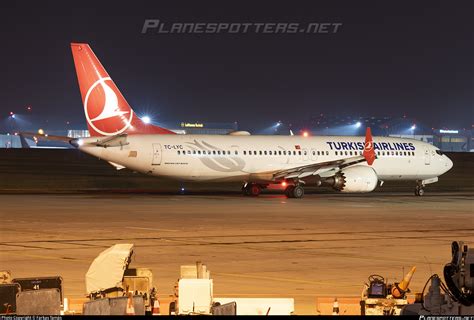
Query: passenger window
299,152
189,151
194,151
213,151
260,152
179,152
265,152
279,152
236,152
245,152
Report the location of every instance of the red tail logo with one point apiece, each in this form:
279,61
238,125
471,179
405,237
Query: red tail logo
369,153
107,112
114,117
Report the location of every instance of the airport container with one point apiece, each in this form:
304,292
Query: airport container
195,296
261,306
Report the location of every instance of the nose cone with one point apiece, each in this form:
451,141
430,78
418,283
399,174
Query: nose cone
448,164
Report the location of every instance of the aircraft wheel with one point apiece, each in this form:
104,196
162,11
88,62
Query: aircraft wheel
419,191
289,191
255,190
298,192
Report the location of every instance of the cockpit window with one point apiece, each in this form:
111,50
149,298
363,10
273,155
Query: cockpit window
439,152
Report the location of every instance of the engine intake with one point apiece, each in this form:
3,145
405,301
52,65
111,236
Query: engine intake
354,179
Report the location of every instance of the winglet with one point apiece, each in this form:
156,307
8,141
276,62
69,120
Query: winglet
369,153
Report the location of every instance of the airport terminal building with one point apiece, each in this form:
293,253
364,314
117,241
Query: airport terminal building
450,140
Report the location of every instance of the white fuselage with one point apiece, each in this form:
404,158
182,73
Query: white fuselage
256,158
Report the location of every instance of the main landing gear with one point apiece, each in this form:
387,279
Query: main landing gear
294,191
251,189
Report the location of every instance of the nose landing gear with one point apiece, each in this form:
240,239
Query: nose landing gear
419,190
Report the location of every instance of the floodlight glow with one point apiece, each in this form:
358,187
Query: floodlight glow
358,124
413,127
146,119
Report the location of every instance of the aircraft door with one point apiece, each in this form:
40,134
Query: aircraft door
427,156
156,161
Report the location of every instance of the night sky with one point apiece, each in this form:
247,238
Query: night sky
389,58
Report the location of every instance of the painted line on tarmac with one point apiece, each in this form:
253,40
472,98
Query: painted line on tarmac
278,279
153,229
49,257
339,233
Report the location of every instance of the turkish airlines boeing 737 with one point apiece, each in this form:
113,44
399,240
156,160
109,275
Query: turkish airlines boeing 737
347,164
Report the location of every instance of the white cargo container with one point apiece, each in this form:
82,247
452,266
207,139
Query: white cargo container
261,306
195,296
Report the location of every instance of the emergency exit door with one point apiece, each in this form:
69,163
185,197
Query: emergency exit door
156,154
427,156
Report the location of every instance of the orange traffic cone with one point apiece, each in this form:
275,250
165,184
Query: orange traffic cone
335,307
156,308
130,307
399,290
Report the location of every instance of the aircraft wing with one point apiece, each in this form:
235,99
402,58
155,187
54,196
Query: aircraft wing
46,136
329,168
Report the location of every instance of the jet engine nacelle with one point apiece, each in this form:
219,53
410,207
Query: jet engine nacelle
356,179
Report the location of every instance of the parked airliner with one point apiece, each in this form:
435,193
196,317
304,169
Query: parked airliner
347,164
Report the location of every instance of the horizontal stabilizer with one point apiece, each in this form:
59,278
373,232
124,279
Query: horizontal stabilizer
114,141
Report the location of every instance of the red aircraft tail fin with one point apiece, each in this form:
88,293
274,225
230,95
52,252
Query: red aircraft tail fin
107,112
369,153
